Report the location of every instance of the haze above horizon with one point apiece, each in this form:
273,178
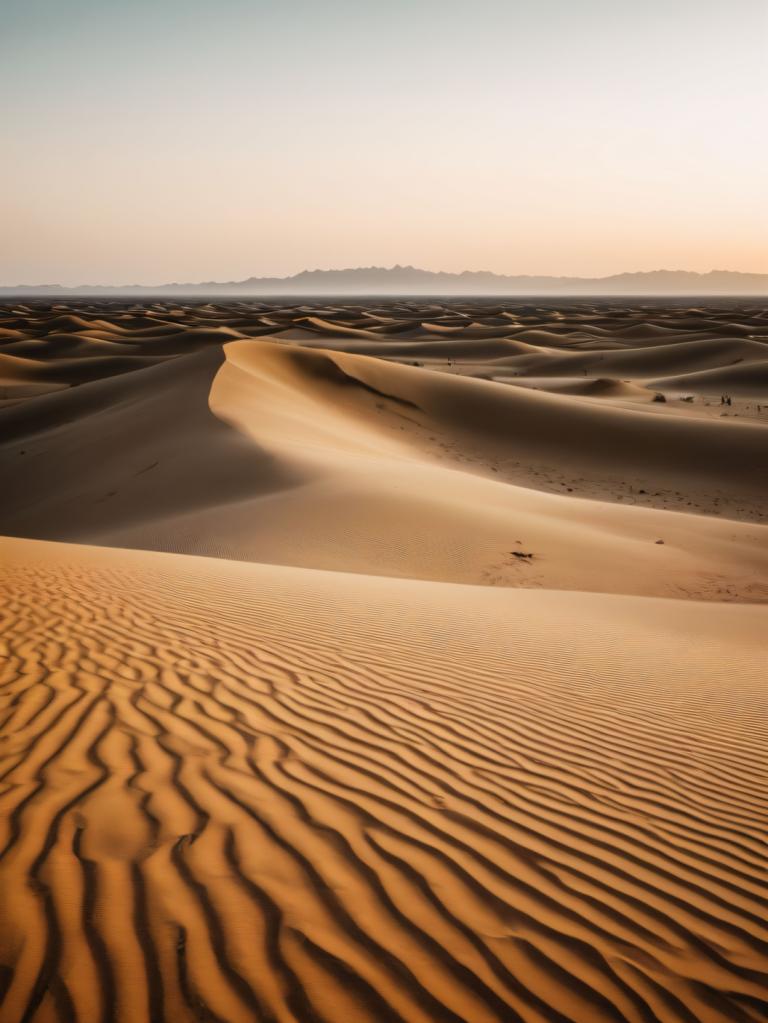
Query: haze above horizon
197,141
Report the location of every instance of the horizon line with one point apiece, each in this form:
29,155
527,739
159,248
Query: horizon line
268,278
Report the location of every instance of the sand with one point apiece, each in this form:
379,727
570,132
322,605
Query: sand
341,688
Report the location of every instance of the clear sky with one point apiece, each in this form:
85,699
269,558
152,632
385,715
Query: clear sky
156,140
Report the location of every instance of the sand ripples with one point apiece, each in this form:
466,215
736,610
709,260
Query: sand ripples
223,800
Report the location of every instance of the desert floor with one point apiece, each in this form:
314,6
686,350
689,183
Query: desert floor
384,661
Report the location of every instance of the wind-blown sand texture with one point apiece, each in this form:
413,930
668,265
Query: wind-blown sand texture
438,729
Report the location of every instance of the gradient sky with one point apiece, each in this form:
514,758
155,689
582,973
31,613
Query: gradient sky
156,140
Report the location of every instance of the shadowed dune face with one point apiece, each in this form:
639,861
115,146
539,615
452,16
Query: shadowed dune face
242,792
461,717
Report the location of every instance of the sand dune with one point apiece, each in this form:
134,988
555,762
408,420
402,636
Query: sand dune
70,370
461,718
348,463
744,379
675,357
497,421
588,387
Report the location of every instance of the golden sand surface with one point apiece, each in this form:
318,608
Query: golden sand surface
387,661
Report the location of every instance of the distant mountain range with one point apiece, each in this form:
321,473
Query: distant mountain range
408,280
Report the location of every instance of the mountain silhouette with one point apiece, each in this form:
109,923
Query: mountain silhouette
409,280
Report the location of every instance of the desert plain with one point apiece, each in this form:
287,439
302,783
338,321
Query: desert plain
384,660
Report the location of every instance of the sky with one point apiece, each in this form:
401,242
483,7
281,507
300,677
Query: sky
179,140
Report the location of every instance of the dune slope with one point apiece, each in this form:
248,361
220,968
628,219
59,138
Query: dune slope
239,792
